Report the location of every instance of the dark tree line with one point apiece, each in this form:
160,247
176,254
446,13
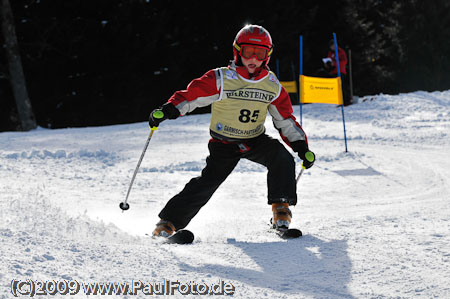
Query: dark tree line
104,62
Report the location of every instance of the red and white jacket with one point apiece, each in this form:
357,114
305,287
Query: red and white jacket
205,90
342,61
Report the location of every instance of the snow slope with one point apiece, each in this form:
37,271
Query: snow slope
376,219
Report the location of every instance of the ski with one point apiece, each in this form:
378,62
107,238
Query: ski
182,236
291,233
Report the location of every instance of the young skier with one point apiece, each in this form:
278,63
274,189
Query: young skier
241,95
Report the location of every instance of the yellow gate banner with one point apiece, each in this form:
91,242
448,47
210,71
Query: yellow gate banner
320,90
290,86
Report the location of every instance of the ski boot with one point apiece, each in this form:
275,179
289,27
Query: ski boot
281,216
163,228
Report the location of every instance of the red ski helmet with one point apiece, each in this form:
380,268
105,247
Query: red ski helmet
257,38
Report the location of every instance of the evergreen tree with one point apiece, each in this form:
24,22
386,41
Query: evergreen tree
16,75
425,37
376,48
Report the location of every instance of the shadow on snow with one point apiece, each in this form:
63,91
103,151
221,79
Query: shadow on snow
309,266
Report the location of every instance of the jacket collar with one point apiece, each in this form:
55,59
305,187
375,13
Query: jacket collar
242,71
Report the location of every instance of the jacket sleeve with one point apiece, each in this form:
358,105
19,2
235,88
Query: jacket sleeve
199,93
284,121
342,60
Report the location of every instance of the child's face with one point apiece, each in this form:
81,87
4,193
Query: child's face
251,64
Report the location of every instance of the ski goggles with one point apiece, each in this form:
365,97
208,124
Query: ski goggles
249,51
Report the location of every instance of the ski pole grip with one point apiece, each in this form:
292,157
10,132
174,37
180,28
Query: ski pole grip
156,117
310,156
158,114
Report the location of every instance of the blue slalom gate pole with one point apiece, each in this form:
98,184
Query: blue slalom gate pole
339,74
299,85
295,80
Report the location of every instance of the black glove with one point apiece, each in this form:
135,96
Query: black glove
304,153
167,111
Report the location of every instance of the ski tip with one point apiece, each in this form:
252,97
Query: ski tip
183,236
291,233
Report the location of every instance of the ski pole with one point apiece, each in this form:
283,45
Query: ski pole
300,174
124,205
311,158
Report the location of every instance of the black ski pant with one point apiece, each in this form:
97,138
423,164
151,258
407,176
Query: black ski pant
222,159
